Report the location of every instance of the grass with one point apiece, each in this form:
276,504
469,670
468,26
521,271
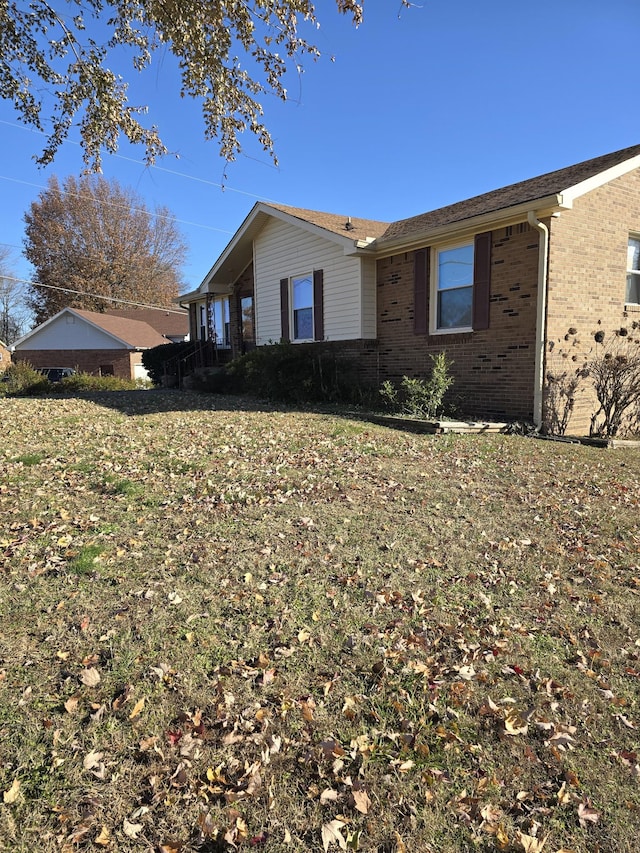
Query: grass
232,628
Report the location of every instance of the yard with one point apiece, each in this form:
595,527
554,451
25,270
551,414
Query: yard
227,626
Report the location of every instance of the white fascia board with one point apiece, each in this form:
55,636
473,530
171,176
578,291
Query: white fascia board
600,179
310,227
543,208
248,230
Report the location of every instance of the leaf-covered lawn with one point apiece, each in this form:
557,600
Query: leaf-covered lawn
226,627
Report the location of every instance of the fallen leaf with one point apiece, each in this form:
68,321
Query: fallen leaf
502,839
137,708
400,846
90,677
332,834
362,801
131,830
531,844
587,815
11,795
71,704
328,796
514,724
92,760
104,838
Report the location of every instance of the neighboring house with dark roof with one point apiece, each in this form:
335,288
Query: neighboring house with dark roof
91,342
5,357
512,285
172,323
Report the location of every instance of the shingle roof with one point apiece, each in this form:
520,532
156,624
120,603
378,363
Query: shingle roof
336,223
542,186
174,322
135,333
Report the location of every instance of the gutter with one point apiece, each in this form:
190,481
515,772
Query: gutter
541,317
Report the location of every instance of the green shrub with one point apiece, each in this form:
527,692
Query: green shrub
88,382
294,373
23,380
420,398
154,359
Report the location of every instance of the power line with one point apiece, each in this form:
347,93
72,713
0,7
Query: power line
168,217
155,166
93,295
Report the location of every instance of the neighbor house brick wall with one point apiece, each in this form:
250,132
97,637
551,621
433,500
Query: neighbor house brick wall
84,361
493,368
587,281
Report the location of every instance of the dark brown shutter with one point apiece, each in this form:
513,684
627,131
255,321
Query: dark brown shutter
318,305
481,281
284,308
421,291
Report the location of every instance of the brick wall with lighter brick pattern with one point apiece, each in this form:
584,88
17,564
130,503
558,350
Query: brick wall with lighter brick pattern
587,279
493,369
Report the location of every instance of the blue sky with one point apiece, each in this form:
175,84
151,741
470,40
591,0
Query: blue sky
422,107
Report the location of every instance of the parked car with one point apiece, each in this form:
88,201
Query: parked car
56,374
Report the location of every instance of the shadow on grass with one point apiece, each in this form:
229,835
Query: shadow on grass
157,400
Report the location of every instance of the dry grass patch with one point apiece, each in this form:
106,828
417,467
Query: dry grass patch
232,628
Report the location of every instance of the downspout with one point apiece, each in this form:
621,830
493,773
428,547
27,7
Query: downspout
541,318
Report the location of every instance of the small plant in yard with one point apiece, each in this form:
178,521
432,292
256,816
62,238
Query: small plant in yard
614,370
22,379
420,398
563,379
88,382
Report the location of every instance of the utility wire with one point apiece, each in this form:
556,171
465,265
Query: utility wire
94,295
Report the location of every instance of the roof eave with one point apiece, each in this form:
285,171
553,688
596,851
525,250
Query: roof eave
543,207
600,179
223,273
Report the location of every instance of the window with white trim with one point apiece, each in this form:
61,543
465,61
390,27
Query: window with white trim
302,307
632,296
454,287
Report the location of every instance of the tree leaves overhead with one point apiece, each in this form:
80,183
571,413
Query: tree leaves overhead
95,237
229,55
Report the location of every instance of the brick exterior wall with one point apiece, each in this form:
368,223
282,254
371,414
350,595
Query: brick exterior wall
84,361
494,368
242,287
587,279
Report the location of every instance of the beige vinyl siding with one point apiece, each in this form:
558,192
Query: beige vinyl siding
281,251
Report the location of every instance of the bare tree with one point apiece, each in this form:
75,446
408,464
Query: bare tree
90,238
13,311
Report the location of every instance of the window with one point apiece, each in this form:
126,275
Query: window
220,320
454,287
302,307
633,272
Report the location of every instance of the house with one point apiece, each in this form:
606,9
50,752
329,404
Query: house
109,344
512,285
173,324
5,357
